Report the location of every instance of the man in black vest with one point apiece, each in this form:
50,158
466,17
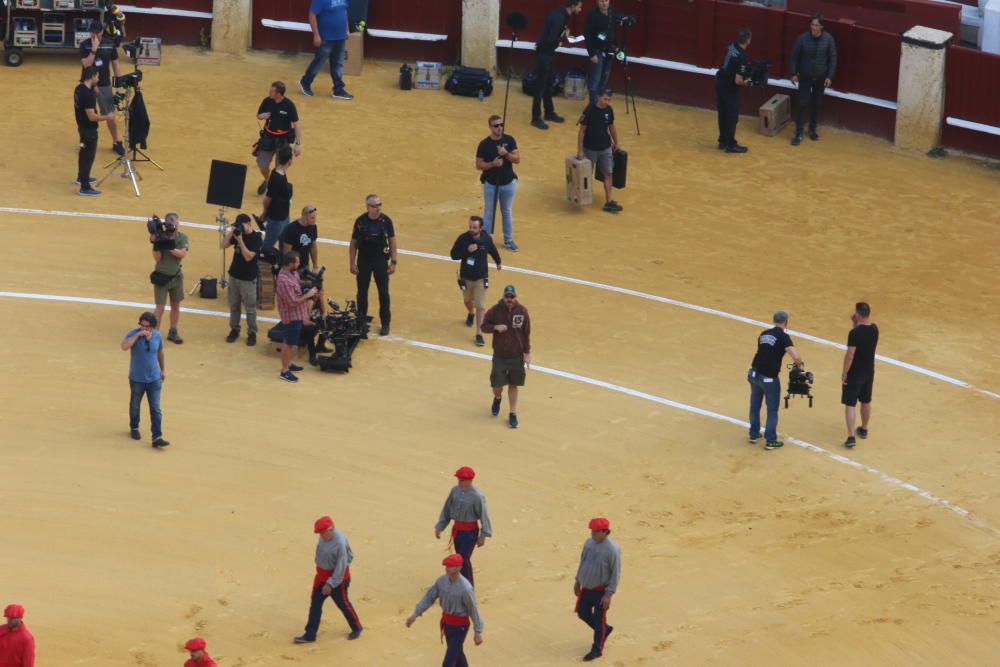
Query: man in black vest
814,62
553,32
728,81
373,251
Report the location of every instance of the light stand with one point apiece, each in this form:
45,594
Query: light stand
124,162
223,225
628,78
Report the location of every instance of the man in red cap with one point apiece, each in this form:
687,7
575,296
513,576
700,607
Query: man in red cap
458,605
333,577
596,581
466,506
199,658
17,646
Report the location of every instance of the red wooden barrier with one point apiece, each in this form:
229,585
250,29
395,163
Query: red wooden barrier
972,93
889,15
172,29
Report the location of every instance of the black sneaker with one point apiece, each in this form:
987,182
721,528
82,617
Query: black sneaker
135,434
850,442
736,149
470,319
510,245
813,135
89,180
262,188
304,640
479,340
495,408
251,339
288,377
721,146
89,192
512,420
554,117
295,368
384,331
612,207
174,337
593,655
159,443
342,95
118,148
306,90
797,139
754,439
774,444
355,633
540,124
862,432
233,335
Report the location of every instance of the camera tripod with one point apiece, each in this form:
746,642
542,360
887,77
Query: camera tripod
125,162
629,96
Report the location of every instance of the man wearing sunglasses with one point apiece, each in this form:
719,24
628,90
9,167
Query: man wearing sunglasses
373,252
510,325
146,375
495,159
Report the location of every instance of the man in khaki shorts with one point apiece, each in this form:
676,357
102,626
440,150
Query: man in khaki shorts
471,249
167,277
510,325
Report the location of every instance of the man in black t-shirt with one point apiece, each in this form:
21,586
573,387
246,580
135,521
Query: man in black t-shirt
728,81
101,51
495,159
471,249
243,274
85,109
300,238
281,123
765,383
554,30
597,140
277,199
859,371
373,251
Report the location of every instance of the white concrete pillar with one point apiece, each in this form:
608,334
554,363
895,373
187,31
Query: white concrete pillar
989,33
920,98
231,21
480,29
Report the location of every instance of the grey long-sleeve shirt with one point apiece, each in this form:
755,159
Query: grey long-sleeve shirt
334,555
465,506
457,598
600,565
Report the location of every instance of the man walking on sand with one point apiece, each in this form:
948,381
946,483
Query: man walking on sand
510,325
458,606
466,506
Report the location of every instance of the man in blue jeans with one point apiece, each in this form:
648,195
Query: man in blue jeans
146,375
765,383
328,19
599,31
495,159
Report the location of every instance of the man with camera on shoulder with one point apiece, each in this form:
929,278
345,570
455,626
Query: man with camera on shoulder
728,81
85,108
293,306
243,273
102,54
170,247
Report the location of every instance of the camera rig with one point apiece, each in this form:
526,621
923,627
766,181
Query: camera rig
756,72
160,232
342,328
799,384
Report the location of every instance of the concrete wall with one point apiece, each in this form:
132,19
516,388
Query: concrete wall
480,28
920,100
231,25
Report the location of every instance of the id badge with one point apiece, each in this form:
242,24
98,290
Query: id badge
471,261
98,63
601,36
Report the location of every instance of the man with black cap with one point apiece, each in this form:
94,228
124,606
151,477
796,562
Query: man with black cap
199,658
333,577
596,581
243,274
85,108
510,325
17,645
458,606
146,374
102,54
553,32
765,381
466,506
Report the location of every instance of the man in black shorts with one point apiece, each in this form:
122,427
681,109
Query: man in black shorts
102,53
510,325
281,123
765,383
859,372
597,140
85,108
373,252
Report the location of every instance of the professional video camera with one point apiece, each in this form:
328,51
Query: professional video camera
130,80
756,72
342,329
625,20
799,384
160,232
310,279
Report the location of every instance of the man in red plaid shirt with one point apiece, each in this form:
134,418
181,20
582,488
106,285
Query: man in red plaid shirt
293,306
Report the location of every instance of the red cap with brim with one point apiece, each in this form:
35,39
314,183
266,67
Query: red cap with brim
196,644
600,523
454,560
465,472
14,611
322,524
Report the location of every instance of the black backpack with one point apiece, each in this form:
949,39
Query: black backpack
530,83
469,81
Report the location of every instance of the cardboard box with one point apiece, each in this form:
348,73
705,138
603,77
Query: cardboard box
774,115
354,54
575,87
579,181
149,51
427,75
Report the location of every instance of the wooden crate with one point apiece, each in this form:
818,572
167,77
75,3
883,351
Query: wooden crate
265,287
579,181
774,115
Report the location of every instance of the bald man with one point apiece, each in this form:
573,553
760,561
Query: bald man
596,581
458,606
199,658
466,506
333,577
17,646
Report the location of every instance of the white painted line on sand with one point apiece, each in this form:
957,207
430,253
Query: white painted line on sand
575,281
635,393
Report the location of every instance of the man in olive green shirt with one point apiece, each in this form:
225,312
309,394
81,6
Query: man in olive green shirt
168,265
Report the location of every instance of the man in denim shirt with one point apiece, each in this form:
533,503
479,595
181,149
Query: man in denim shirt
146,375
328,19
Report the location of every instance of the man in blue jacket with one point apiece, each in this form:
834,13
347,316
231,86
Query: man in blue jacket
328,19
814,62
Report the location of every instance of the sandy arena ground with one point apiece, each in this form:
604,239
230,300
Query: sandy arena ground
732,555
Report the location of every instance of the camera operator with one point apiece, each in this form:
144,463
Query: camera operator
471,249
554,30
243,274
496,156
599,31
765,383
293,306
373,251
859,372
168,256
300,238
814,62
277,199
281,120
597,140
146,374
102,53
728,81
85,108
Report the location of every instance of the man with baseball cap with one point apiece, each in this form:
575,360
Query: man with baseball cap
510,325
199,658
466,506
458,605
596,581
333,577
17,646
765,383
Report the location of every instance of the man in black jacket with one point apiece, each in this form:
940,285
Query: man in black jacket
599,31
728,81
471,249
554,30
814,62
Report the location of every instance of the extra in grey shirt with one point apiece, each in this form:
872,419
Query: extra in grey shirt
600,565
465,506
457,598
334,555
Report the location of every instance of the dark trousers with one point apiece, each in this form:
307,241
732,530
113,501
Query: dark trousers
465,542
591,612
454,637
543,83
85,161
728,105
151,390
380,268
339,595
762,390
811,95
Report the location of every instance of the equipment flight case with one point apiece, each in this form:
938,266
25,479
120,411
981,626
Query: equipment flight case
44,24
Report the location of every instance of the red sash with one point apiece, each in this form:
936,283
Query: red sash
322,575
461,526
453,620
584,590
